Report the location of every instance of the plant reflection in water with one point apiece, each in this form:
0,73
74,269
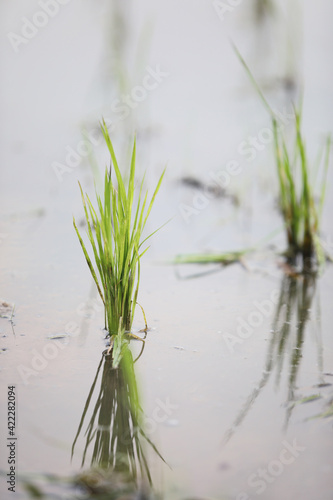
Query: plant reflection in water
115,432
293,311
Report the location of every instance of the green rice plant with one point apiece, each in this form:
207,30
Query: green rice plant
115,232
300,210
300,206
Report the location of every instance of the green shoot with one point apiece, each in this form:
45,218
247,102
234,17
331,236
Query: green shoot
115,232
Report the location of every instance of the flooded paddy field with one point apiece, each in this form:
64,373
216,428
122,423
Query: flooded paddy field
230,396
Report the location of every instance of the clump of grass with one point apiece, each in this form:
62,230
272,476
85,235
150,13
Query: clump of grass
115,232
300,210
300,207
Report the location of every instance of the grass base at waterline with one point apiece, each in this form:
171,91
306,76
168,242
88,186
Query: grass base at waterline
115,232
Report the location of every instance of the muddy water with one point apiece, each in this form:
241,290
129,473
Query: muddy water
237,361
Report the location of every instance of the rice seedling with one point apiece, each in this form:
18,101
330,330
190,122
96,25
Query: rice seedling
115,231
300,205
300,209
